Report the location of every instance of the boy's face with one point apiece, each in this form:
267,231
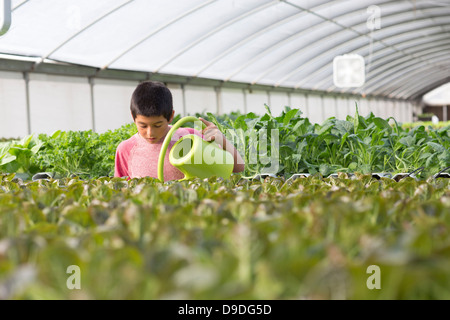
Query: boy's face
153,129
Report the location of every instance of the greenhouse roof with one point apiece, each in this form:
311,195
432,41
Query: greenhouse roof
439,96
292,43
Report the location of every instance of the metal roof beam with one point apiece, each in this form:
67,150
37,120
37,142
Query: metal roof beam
433,85
326,53
324,40
244,41
409,93
82,30
387,58
409,75
215,30
411,85
19,5
24,64
396,73
151,34
398,65
289,38
373,76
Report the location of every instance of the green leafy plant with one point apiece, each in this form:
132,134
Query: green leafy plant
309,238
15,155
82,153
357,144
282,145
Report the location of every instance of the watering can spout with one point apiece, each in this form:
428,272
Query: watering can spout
195,157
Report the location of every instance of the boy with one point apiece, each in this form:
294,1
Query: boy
152,111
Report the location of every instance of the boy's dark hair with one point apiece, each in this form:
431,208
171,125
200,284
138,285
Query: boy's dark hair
151,98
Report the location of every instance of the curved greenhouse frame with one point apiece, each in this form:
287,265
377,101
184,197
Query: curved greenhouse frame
216,54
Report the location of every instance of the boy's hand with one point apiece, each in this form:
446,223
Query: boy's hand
212,133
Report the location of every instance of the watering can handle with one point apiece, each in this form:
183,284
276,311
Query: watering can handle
165,145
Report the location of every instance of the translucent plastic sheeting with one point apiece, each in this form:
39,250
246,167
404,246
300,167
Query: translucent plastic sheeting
286,43
439,96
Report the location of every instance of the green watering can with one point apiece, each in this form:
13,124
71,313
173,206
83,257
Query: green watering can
194,156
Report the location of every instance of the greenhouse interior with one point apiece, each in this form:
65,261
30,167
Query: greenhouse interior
70,64
358,93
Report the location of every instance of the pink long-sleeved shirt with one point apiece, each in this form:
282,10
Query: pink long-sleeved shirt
136,157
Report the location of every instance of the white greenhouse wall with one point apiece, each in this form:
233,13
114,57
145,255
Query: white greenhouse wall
112,103
298,101
232,100
390,108
255,101
315,109
59,103
200,99
74,103
341,107
13,105
351,106
177,97
278,100
329,107
363,107
379,110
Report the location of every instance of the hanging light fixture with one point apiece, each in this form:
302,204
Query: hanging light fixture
348,71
